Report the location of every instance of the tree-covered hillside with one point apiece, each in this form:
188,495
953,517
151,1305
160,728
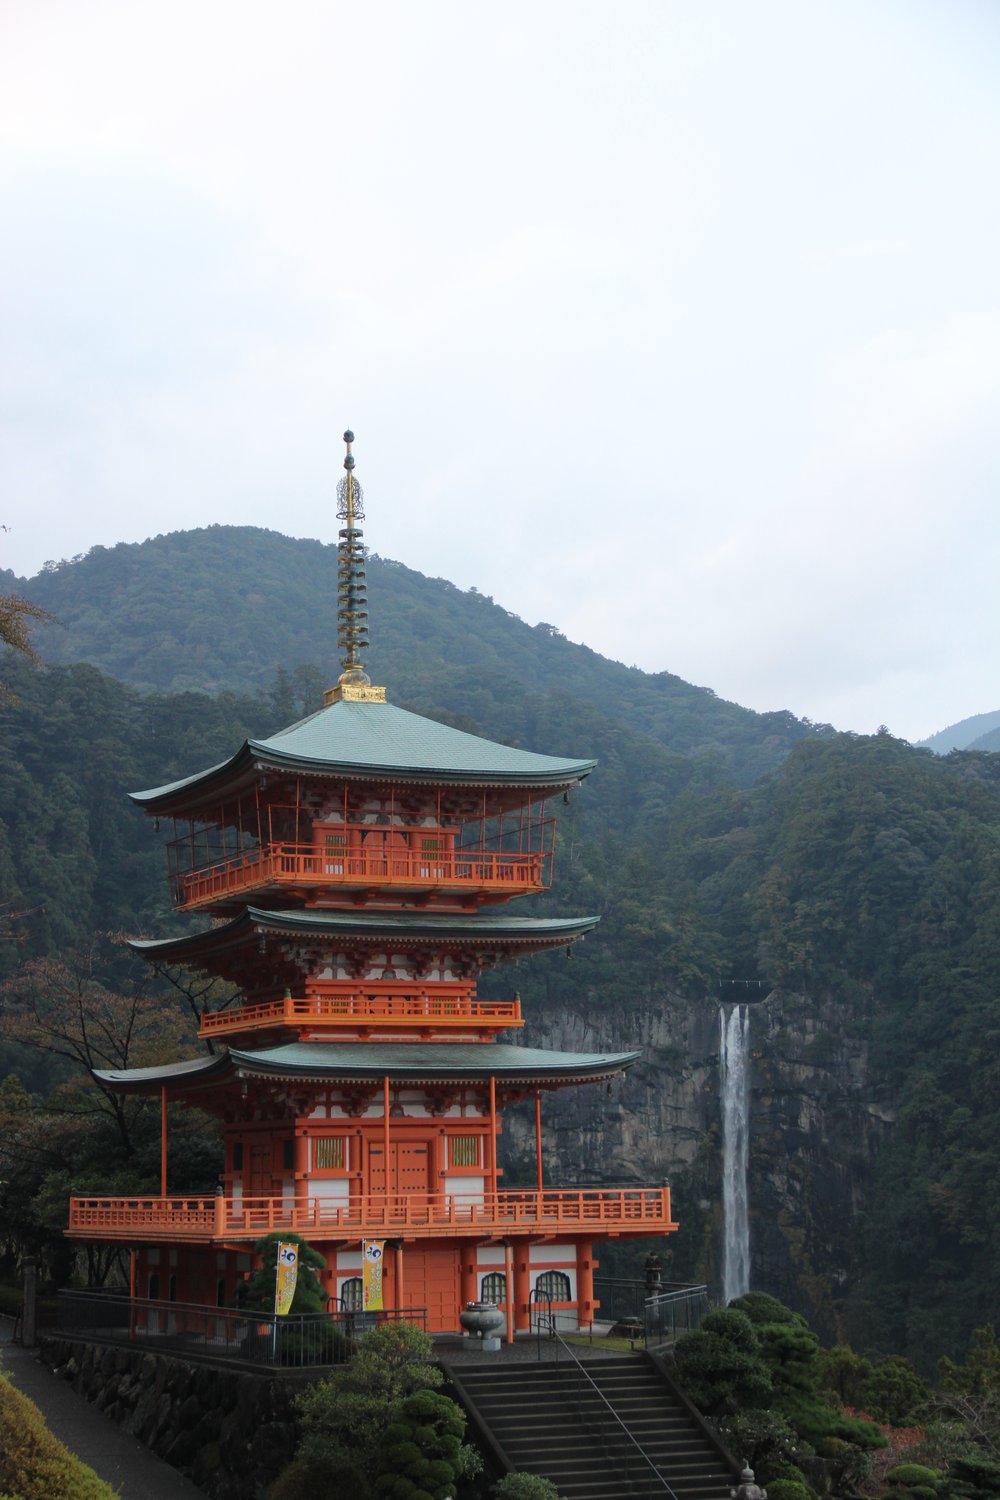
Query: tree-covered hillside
223,608
858,877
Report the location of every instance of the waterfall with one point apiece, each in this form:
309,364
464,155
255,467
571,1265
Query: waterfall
734,1055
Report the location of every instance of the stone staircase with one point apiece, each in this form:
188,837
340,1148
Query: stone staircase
547,1419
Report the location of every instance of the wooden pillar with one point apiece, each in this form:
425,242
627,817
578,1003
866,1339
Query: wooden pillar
522,1288
470,1285
585,1304
163,1141
131,1294
493,1139
300,1171
538,1136
508,1266
385,1128
400,1285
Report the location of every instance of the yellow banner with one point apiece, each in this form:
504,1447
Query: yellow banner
285,1278
372,1281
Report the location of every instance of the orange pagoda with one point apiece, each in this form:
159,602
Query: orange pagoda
356,868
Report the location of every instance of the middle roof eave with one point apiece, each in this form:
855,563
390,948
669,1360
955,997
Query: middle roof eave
402,927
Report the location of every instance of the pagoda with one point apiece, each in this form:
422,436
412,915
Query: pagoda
357,869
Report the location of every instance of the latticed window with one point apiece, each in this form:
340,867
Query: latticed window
465,1151
329,1153
553,1284
431,846
352,1294
494,1287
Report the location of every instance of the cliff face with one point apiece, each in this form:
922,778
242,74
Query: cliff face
817,1118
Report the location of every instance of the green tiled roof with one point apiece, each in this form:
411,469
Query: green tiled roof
379,741
418,1062
404,926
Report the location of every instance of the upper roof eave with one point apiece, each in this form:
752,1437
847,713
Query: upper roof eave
376,742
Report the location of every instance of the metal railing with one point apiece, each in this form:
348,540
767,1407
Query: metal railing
295,1340
672,1313
597,1415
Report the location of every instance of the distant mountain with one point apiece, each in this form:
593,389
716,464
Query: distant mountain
981,732
243,610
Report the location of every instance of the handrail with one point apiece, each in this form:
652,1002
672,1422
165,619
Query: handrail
289,862
406,1004
422,1214
582,1370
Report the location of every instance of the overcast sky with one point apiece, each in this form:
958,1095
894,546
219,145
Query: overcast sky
675,324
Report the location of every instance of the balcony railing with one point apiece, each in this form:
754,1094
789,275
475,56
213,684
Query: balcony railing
303,865
621,1211
394,1006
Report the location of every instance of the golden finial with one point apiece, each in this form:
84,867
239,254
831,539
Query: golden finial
352,592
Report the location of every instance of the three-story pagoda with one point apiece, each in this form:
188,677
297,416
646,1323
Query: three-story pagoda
357,868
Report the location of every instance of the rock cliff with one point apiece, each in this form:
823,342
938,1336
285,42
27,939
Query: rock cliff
817,1118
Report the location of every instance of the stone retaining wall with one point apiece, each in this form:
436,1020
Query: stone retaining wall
228,1431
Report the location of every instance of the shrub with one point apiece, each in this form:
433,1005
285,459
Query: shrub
893,1391
910,1474
713,1371
759,1307
732,1325
34,1465
790,1489
525,1487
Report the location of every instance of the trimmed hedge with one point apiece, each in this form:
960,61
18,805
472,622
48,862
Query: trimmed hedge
34,1465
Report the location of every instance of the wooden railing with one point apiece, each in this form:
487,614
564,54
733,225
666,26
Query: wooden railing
305,865
400,1006
414,1215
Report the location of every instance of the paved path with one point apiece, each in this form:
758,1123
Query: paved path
120,1459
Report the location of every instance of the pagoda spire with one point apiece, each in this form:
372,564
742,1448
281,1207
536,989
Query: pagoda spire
352,592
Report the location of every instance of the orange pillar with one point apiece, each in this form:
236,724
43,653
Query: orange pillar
300,1172
522,1289
538,1136
470,1286
400,1288
385,1128
585,1304
509,1269
493,1139
163,1142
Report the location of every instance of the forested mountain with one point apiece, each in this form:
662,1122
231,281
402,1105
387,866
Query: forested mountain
223,609
981,732
853,881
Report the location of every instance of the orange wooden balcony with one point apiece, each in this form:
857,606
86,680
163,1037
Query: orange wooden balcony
303,867
395,1007
621,1212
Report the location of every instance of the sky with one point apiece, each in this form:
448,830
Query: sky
674,323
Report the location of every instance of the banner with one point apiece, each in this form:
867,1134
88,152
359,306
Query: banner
372,1282
286,1274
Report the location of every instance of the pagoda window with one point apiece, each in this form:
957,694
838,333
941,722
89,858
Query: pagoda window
464,1151
153,1291
288,1155
554,1285
237,1156
352,1294
494,1287
329,1153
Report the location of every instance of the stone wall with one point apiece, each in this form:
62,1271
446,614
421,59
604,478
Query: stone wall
228,1431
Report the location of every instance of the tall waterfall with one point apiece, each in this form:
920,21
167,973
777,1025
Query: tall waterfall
734,1053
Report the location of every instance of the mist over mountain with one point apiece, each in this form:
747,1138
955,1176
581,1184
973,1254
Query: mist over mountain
980,732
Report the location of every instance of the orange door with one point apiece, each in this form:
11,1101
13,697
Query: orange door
409,1167
259,1185
432,1281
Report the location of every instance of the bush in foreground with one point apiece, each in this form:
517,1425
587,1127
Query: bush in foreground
34,1465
